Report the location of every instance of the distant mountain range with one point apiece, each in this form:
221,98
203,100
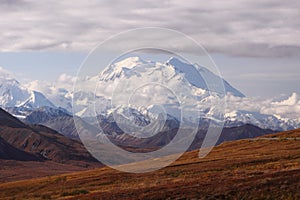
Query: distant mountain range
33,107
22,142
64,124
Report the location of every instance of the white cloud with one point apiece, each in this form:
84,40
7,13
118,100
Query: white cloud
236,27
5,73
66,81
59,92
288,108
40,86
291,101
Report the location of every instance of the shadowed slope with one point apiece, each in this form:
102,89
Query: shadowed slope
8,152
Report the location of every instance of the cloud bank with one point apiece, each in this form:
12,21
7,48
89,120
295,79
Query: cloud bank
288,108
234,27
5,73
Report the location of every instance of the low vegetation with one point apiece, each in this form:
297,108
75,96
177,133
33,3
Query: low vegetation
246,169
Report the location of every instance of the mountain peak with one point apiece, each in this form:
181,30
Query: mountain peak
129,62
117,69
192,74
176,61
200,78
14,94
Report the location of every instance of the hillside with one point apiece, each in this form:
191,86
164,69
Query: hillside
45,151
8,152
41,141
286,134
245,169
9,121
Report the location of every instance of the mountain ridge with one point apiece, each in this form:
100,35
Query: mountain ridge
41,141
24,103
13,94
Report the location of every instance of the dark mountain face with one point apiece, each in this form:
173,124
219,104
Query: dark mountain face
243,132
63,123
8,152
163,138
40,141
57,119
44,114
8,120
230,134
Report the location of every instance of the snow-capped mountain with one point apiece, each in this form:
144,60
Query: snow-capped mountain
61,98
174,74
196,79
265,121
177,73
14,96
57,102
43,114
172,68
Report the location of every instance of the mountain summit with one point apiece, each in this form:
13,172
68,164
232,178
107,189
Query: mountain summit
174,67
13,94
198,75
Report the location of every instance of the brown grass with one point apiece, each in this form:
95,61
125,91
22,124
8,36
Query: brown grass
234,170
286,134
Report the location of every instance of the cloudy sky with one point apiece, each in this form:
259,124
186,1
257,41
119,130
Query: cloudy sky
256,44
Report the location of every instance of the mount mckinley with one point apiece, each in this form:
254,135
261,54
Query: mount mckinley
55,111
